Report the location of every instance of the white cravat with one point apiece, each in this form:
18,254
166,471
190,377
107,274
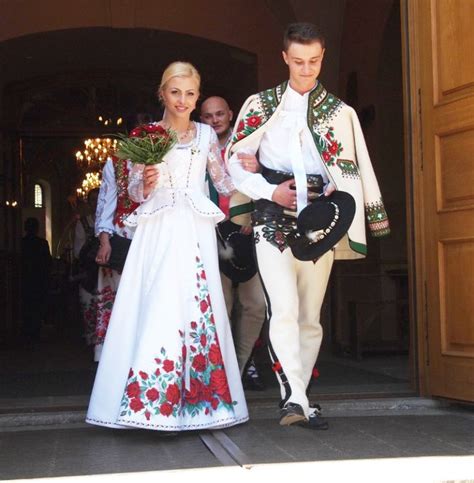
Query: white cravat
295,122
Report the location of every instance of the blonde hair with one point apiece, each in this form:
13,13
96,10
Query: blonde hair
179,69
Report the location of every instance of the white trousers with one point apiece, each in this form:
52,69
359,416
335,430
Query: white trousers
247,321
294,293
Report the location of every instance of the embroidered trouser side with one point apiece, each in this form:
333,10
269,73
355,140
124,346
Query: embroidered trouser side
294,293
248,319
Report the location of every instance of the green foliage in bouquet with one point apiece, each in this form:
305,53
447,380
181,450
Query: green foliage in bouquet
146,144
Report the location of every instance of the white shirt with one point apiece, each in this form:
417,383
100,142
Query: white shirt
287,145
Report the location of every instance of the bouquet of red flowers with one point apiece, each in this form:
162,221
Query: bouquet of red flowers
146,144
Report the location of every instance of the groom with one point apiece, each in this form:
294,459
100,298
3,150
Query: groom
307,140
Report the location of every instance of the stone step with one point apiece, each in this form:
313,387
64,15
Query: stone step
58,413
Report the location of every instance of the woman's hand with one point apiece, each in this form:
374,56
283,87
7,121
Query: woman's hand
249,162
103,254
150,179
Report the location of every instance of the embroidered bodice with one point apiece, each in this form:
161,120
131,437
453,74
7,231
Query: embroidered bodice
182,177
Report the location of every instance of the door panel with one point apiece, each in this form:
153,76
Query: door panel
446,82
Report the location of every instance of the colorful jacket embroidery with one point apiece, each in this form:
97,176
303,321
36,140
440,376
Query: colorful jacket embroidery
338,137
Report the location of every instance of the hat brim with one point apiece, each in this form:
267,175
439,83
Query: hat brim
241,266
305,249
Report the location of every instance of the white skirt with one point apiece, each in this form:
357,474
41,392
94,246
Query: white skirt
168,361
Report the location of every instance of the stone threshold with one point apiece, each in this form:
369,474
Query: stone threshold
49,415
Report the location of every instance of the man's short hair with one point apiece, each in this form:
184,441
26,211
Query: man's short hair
302,33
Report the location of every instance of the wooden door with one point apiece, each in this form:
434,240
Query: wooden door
441,46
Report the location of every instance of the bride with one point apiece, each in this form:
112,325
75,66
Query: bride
168,361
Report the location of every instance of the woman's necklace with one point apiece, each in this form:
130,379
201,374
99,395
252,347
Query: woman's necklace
182,135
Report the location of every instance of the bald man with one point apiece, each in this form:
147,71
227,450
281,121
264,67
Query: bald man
215,112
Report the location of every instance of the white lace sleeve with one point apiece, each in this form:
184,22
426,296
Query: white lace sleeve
107,201
216,168
135,183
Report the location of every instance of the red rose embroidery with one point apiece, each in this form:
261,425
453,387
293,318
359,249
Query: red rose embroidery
326,156
240,136
143,375
212,318
206,393
254,121
203,275
215,355
241,126
333,147
226,396
136,405
173,394
315,373
214,403
219,382
194,325
168,365
199,363
130,373
147,415
204,306
152,394
157,372
193,395
203,340
133,389
166,409
276,366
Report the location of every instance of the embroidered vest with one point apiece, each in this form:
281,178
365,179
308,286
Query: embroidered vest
125,206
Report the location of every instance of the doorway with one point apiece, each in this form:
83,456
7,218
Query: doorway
368,348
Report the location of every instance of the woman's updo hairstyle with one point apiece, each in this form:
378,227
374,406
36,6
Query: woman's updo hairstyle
178,69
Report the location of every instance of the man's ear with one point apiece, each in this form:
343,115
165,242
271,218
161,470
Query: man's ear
322,54
231,115
285,56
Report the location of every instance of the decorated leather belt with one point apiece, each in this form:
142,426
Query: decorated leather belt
268,211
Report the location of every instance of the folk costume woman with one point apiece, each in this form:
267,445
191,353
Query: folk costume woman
168,361
113,206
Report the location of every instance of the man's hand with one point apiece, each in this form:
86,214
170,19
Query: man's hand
246,229
330,188
284,195
103,254
150,179
249,162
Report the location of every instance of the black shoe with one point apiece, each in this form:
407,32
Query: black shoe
292,413
316,408
315,421
251,379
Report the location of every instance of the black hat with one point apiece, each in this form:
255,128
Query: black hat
322,224
236,252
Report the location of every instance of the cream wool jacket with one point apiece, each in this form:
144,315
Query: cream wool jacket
337,135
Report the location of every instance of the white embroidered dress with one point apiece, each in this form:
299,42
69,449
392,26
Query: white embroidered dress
168,361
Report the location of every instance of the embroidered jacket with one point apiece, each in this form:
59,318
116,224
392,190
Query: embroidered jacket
114,204
337,135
